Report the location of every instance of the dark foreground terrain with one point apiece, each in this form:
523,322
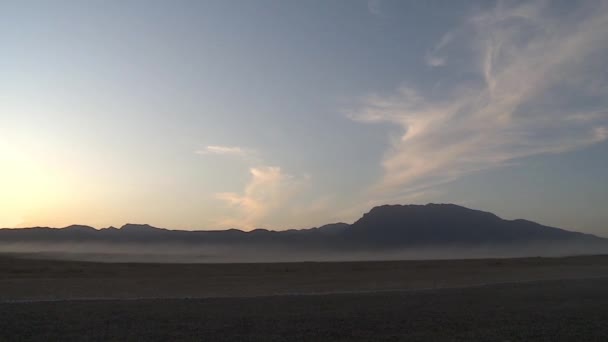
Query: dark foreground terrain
486,300
572,310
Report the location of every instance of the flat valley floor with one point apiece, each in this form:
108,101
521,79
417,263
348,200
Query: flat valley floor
540,299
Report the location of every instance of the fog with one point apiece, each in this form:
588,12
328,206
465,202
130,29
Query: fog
251,253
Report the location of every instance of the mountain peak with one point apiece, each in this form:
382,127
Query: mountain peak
334,228
78,227
420,206
441,209
138,227
442,224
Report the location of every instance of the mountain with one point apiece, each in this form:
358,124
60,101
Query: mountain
384,227
448,224
334,228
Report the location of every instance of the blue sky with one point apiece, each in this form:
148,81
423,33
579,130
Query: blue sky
283,114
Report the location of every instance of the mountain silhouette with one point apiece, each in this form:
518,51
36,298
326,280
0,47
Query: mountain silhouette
441,224
383,227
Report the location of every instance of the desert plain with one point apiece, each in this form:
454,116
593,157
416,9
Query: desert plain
520,299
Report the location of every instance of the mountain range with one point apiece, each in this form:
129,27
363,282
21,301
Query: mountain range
383,227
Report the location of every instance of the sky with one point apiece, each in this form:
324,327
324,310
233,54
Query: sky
293,114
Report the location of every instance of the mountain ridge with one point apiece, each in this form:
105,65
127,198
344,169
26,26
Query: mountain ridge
385,225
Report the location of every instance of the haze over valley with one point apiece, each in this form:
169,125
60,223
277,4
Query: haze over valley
390,232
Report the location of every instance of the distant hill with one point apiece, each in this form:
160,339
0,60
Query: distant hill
445,224
384,227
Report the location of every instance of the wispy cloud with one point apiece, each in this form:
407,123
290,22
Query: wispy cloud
533,68
374,7
435,61
223,150
268,191
433,58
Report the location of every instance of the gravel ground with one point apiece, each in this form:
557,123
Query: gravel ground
27,280
539,299
557,310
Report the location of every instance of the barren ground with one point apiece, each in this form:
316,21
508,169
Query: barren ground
493,299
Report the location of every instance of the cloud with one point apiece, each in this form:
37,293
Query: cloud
532,70
432,58
222,150
435,61
373,6
266,194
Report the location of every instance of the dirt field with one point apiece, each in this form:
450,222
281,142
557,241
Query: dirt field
495,300
27,279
